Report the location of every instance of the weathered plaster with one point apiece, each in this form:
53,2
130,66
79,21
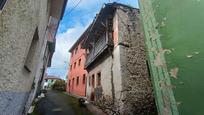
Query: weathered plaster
18,22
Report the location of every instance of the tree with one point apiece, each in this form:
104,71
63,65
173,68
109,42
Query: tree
59,85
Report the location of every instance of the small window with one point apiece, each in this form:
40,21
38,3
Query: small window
76,50
70,67
93,80
29,62
99,79
69,83
72,82
77,81
84,78
74,64
89,80
79,62
2,3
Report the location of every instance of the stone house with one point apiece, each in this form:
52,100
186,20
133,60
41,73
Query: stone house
118,79
27,43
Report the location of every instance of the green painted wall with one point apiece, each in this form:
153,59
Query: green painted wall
174,31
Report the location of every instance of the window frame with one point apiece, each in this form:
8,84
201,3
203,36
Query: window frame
99,81
76,49
75,65
93,80
84,79
79,63
77,81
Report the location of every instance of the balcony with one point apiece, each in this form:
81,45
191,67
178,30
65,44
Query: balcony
98,48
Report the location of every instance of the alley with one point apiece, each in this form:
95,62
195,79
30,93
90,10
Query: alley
58,103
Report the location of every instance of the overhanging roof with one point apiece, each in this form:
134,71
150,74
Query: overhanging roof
82,37
58,8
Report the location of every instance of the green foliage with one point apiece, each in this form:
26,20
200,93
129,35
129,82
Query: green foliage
59,85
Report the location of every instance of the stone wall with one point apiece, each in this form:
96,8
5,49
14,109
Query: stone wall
137,89
18,21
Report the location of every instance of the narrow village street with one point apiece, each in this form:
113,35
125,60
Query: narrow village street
59,103
101,57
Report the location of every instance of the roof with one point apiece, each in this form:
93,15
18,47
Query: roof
63,9
82,37
100,20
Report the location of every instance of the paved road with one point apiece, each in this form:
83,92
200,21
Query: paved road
56,103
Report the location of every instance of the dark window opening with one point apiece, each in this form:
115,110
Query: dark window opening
29,62
84,79
76,50
93,80
70,67
77,81
89,80
2,3
79,62
74,64
99,79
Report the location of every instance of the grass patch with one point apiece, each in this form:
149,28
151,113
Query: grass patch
73,102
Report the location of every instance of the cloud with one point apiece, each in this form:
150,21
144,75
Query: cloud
70,29
64,41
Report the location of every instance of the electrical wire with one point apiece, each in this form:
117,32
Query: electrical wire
73,8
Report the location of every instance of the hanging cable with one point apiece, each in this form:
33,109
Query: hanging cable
73,8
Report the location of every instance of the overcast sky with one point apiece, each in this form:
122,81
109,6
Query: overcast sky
74,22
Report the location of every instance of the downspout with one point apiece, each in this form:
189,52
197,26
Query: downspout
108,36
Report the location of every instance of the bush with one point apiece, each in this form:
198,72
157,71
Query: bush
59,85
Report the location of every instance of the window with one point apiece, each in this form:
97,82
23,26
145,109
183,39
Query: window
79,62
72,82
70,67
74,64
99,79
2,3
84,78
93,80
76,50
69,83
89,80
29,62
77,81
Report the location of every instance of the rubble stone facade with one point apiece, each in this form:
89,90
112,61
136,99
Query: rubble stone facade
125,85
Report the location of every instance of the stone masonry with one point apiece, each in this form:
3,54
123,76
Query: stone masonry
126,87
136,82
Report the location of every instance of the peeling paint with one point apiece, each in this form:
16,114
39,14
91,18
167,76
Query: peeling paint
174,72
196,53
189,56
158,61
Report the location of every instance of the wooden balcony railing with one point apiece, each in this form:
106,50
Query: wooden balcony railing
98,48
